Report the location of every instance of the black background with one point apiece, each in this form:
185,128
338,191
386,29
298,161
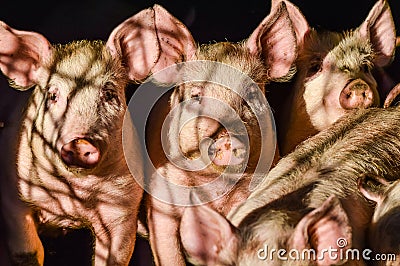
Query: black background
63,21
208,21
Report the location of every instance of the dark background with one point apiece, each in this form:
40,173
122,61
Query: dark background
63,21
208,21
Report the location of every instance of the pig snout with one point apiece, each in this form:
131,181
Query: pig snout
80,153
227,151
357,94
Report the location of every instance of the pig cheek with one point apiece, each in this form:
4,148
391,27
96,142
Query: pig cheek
322,100
52,120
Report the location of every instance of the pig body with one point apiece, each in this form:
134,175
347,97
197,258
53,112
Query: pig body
65,157
200,112
334,73
292,208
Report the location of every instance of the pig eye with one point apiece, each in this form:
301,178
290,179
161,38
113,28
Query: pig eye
252,93
109,94
52,96
314,68
365,68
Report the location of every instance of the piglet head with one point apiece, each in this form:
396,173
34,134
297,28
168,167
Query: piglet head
78,107
212,116
335,69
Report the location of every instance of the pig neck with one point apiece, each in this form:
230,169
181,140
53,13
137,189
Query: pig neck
297,126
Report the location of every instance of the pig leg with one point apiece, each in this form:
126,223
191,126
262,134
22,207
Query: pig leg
114,237
163,220
114,244
23,241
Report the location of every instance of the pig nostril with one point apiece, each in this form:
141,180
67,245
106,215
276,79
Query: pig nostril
356,94
80,153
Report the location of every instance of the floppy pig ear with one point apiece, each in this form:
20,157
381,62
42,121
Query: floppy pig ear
275,40
380,29
150,41
21,55
325,227
207,237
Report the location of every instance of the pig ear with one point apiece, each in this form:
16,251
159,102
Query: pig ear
150,41
207,237
299,22
325,227
392,97
372,187
22,53
274,39
379,28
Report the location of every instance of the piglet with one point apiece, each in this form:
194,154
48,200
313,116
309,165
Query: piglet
218,129
64,160
334,73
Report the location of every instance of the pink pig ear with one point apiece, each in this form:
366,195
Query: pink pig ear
299,22
324,228
275,40
22,53
380,29
150,41
207,237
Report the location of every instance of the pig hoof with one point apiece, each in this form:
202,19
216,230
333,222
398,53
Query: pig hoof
80,153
